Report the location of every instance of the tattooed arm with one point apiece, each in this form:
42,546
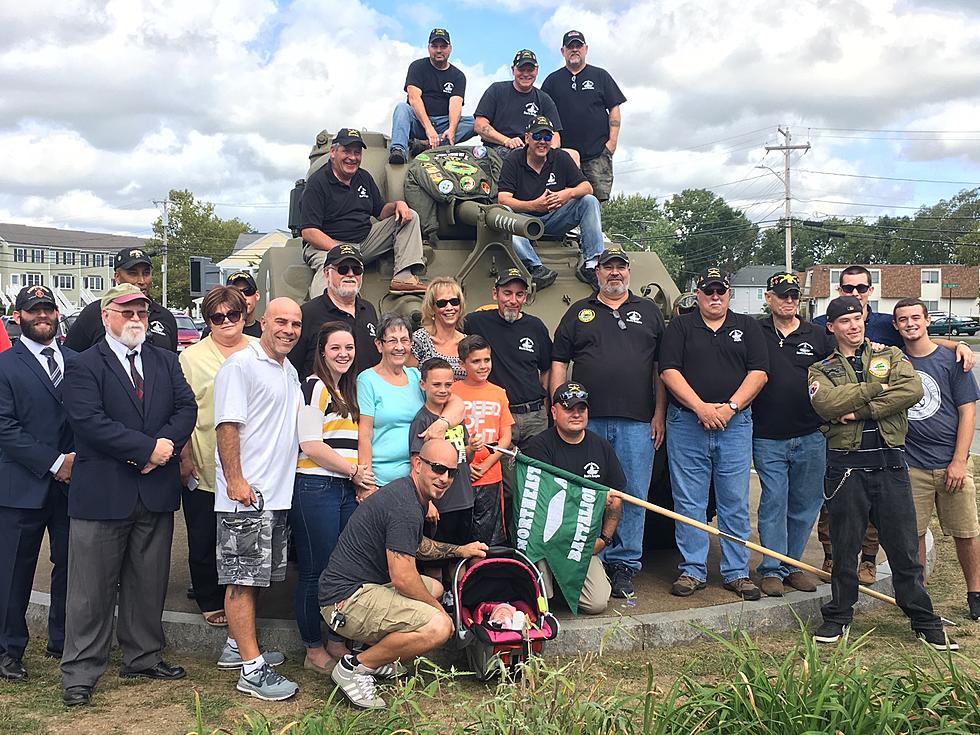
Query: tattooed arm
430,550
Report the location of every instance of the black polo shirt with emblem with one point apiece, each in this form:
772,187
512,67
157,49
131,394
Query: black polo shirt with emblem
584,101
321,310
714,364
593,458
521,352
614,355
437,85
518,178
343,212
509,111
782,410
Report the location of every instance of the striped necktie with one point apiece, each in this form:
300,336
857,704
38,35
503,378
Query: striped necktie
135,374
53,369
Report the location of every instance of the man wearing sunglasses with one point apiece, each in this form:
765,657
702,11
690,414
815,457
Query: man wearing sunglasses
132,265
714,363
787,446
371,590
545,182
245,283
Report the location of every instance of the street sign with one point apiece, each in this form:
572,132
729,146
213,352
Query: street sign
951,285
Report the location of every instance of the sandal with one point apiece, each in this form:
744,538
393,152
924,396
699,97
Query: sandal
216,618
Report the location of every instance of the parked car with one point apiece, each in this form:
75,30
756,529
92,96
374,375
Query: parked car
954,325
200,324
187,332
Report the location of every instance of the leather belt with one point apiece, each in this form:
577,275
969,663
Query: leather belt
528,407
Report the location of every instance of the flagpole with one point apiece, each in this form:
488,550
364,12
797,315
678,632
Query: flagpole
660,510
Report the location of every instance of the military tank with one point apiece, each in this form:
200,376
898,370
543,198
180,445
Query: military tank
473,246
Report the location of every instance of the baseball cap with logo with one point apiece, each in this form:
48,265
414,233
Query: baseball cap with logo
349,136
339,253
525,57
613,254
572,37
128,257
439,34
123,294
31,296
571,394
782,283
843,305
511,274
711,276
250,288
540,123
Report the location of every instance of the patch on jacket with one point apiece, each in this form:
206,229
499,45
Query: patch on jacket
880,367
814,387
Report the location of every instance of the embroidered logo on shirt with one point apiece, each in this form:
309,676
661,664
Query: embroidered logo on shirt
526,344
633,317
371,329
591,470
157,328
588,84
447,87
805,348
736,335
552,181
586,315
531,109
362,193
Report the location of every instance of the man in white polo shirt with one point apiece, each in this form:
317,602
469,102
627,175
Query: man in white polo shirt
257,397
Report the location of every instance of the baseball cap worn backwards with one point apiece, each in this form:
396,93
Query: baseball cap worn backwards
841,306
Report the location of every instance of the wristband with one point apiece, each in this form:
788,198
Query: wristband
606,540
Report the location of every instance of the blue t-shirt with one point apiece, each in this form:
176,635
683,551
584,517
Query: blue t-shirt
393,408
878,328
933,420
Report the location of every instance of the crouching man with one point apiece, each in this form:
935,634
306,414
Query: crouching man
371,591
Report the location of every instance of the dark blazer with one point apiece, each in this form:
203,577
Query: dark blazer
34,428
116,433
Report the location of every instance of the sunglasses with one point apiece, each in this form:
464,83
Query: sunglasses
247,290
219,317
130,313
715,291
567,396
443,303
622,325
542,135
345,269
440,469
791,295
859,287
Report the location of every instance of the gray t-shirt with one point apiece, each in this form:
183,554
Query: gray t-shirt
933,421
459,496
390,519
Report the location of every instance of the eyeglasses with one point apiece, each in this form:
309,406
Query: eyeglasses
791,295
443,303
619,320
542,135
130,313
219,317
852,287
343,270
716,291
394,341
440,469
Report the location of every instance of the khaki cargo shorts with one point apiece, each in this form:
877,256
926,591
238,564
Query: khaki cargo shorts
375,610
957,511
599,172
252,547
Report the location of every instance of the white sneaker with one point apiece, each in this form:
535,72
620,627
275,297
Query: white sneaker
358,686
394,670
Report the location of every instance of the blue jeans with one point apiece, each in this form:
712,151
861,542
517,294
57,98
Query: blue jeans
697,456
404,124
634,448
321,508
791,472
583,213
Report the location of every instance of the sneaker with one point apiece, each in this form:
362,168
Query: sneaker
397,157
265,683
830,632
744,588
542,277
587,276
621,580
973,600
358,686
801,581
867,572
938,639
232,659
394,670
686,586
828,564
771,586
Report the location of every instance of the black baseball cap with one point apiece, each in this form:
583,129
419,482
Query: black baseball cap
571,394
439,34
128,257
524,57
572,37
348,136
613,254
250,287
539,123
713,275
340,253
782,283
511,274
31,296
843,305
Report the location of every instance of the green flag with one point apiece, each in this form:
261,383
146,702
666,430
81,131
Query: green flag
556,518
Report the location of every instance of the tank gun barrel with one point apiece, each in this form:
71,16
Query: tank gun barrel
499,219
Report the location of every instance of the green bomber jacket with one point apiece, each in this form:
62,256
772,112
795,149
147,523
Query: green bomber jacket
835,391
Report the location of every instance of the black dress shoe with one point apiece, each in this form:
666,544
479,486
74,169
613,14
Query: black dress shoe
76,695
11,669
50,653
161,670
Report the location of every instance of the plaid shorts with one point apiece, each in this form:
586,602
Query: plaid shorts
252,547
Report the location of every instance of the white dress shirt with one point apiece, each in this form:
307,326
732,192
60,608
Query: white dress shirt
35,348
120,351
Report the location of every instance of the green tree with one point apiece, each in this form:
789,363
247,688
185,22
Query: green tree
709,232
637,222
193,229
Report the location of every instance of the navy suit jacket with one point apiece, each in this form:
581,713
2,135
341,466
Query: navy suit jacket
34,428
115,433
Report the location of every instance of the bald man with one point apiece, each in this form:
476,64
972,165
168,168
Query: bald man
256,398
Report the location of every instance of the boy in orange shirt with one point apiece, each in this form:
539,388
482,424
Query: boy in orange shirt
488,421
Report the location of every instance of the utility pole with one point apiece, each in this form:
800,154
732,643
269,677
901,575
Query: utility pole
787,149
166,227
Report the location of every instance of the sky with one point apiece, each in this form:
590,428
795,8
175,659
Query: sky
105,106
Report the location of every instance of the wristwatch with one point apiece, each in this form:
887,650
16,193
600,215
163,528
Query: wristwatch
607,540
734,406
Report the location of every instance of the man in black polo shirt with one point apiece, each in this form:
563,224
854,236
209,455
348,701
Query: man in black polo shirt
338,203
433,112
503,112
131,265
713,362
788,448
588,100
343,271
244,282
545,182
613,337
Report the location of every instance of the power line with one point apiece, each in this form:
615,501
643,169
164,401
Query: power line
893,130
887,178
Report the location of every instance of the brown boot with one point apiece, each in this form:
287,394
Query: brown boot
744,588
867,572
771,586
800,581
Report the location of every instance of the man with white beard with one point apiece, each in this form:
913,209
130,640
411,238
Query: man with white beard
131,411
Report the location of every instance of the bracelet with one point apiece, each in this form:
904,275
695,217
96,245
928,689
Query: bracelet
443,418
353,472
607,540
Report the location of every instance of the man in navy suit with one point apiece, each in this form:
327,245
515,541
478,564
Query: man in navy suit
132,411
36,458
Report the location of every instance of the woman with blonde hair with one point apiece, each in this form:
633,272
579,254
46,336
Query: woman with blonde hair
443,307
